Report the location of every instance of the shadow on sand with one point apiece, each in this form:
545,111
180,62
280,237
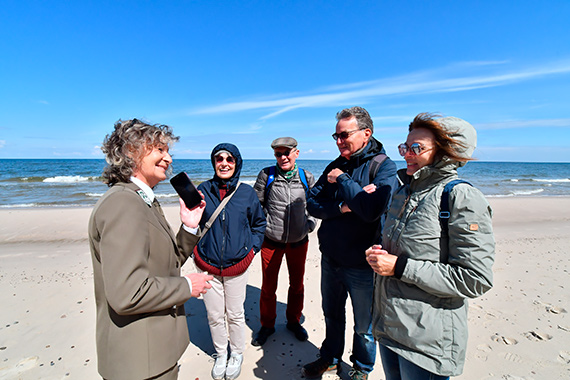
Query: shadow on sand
283,355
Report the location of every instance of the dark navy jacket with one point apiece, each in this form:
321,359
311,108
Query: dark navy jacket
343,238
240,226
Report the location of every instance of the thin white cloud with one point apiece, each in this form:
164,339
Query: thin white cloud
96,151
43,102
539,123
2,143
250,130
432,81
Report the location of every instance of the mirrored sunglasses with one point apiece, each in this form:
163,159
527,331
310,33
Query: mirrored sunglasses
415,148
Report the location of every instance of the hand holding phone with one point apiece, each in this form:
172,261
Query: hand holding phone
186,190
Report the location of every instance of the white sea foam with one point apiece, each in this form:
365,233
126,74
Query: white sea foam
555,180
94,195
171,195
527,192
23,205
67,179
514,180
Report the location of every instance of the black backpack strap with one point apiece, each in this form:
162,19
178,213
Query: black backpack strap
444,214
375,166
444,210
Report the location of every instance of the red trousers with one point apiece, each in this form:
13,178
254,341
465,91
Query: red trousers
271,258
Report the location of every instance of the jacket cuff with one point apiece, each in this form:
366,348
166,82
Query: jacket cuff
400,266
342,177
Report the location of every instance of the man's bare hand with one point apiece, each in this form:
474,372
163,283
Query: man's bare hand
369,188
331,177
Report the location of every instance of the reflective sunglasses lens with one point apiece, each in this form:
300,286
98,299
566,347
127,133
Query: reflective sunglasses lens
403,149
279,154
416,148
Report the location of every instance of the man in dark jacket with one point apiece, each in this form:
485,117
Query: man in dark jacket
282,190
351,198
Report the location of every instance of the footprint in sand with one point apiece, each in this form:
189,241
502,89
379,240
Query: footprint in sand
537,336
22,366
511,357
564,357
504,340
555,309
482,351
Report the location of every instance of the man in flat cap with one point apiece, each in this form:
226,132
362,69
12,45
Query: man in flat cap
282,190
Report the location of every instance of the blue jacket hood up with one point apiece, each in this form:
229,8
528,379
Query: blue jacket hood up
234,151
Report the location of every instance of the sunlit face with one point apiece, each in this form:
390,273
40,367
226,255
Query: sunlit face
152,168
426,140
286,157
225,165
357,139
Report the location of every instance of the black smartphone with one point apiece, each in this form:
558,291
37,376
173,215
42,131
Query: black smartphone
186,189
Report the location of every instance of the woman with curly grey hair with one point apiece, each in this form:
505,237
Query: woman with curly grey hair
139,292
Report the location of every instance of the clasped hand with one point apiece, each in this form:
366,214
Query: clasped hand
381,261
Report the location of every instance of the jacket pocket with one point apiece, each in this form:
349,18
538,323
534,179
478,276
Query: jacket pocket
418,324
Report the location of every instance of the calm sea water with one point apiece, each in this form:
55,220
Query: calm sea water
77,183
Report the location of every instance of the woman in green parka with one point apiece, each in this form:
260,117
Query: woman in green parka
424,278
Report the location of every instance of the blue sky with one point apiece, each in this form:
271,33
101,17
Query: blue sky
247,72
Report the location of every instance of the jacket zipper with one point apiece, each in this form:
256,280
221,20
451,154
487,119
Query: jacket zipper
223,241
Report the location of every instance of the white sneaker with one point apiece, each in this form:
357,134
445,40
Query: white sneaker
234,366
219,369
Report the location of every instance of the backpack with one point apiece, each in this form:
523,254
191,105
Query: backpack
375,166
271,178
444,212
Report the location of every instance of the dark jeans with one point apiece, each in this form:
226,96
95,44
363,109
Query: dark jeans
398,368
337,283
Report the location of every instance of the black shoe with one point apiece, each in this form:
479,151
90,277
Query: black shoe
298,330
316,369
261,337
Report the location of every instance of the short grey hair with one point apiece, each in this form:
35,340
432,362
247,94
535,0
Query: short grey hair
363,119
128,144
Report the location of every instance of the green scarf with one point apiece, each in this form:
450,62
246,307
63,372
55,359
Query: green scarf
288,175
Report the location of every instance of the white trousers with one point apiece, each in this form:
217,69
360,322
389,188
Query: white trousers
225,304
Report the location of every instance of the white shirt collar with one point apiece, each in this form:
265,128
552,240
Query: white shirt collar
144,187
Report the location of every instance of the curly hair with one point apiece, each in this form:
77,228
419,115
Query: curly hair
128,144
446,146
363,119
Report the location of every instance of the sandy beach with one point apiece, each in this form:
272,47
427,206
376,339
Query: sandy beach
518,330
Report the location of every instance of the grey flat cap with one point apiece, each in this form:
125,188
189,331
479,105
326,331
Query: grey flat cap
287,142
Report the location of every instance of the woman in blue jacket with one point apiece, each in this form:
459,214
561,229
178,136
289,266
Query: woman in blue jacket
226,251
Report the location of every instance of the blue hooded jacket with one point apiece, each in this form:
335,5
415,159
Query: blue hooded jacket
240,226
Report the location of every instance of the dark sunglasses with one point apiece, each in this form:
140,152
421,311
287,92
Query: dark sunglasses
286,153
344,134
415,148
229,159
